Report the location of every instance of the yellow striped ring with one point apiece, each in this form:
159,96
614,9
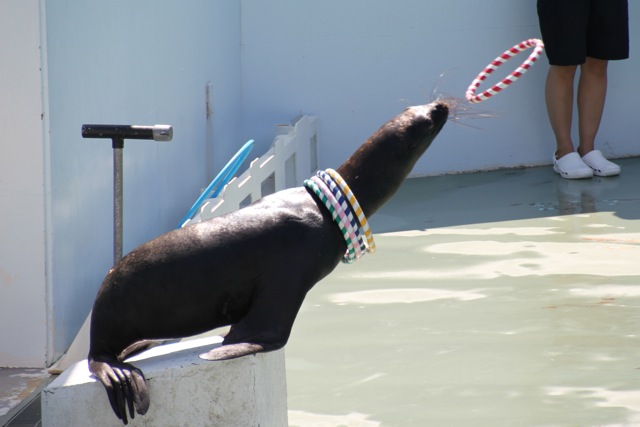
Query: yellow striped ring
362,219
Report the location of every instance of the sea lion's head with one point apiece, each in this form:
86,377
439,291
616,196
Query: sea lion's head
380,165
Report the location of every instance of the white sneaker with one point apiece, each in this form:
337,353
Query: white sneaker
601,166
571,166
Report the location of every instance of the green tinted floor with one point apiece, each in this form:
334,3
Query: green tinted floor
495,299
507,298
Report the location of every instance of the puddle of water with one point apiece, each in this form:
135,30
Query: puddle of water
402,296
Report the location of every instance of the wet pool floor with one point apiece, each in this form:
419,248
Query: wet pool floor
508,298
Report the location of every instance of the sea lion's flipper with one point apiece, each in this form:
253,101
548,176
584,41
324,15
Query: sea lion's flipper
125,385
137,348
232,351
266,327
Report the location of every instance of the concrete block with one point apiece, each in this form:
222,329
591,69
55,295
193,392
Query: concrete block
184,391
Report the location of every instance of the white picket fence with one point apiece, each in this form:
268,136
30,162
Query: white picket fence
291,159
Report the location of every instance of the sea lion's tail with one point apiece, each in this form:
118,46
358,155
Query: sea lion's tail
125,385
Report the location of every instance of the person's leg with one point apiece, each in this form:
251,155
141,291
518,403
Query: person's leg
559,99
592,91
563,25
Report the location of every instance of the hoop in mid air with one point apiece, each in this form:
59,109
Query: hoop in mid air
537,46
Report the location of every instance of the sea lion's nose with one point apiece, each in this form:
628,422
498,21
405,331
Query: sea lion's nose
439,111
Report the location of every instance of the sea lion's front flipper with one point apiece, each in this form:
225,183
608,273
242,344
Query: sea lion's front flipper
268,323
231,351
125,385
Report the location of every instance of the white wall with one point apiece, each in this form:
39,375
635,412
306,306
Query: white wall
356,64
23,323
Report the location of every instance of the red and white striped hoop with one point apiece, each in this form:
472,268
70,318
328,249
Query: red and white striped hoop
537,46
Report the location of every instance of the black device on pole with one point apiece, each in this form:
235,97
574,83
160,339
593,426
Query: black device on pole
156,132
117,134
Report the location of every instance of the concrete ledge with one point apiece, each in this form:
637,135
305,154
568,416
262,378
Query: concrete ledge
185,390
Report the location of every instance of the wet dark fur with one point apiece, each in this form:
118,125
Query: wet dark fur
250,269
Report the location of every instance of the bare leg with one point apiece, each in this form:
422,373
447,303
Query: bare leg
592,92
559,97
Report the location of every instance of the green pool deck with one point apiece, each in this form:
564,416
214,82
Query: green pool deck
506,298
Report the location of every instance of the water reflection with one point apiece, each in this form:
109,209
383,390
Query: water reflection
401,296
585,195
306,419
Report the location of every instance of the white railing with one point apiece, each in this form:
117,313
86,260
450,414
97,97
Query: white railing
291,159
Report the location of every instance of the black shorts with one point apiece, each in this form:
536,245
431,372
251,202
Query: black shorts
574,29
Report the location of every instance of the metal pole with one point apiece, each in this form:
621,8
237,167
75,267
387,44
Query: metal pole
118,146
117,134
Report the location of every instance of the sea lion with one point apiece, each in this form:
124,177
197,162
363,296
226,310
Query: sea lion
250,269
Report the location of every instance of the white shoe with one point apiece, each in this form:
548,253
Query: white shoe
571,166
601,166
